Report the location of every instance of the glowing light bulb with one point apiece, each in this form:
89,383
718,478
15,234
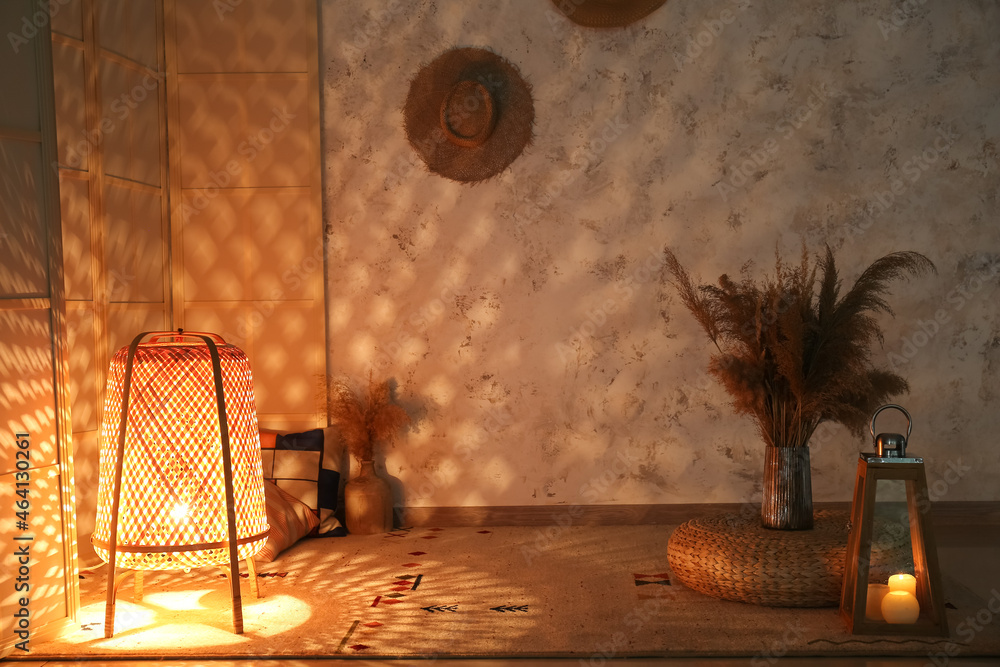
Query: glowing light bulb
179,512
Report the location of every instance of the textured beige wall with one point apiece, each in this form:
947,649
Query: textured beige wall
526,319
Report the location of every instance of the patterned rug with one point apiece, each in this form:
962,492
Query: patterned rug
588,592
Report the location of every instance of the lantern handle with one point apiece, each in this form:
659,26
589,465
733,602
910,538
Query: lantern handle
909,422
173,336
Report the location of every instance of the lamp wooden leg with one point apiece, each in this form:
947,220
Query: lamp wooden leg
233,575
137,586
252,572
122,578
109,608
109,605
234,587
227,470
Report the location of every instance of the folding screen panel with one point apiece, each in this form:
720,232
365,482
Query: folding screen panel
235,248
111,128
245,186
37,556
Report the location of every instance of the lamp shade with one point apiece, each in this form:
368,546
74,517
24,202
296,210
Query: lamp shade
168,438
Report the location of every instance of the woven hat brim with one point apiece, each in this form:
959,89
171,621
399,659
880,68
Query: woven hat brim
513,106
606,13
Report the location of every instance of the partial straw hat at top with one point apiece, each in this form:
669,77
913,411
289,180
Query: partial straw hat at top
606,13
468,114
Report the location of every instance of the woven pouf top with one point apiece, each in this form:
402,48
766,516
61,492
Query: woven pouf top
733,557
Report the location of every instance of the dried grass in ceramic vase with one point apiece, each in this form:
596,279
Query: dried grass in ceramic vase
367,417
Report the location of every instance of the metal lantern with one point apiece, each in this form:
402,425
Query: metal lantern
907,603
180,484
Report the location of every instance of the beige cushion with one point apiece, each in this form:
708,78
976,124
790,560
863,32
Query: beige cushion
290,521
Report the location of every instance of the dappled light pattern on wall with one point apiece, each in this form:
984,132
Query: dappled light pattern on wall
27,388
246,200
37,560
527,319
112,176
25,246
47,572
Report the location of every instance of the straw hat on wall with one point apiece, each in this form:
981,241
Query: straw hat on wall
469,114
606,13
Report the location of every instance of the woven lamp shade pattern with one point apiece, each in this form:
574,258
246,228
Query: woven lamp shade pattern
173,487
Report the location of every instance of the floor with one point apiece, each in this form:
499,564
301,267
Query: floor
970,553
528,662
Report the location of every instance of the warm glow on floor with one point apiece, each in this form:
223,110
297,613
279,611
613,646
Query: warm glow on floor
202,618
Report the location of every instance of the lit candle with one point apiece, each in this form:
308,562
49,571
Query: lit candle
900,607
873,606
903,582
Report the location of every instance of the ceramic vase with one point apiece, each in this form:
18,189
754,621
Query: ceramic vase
787,502
367,502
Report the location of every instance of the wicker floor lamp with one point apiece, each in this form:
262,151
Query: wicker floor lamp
180,475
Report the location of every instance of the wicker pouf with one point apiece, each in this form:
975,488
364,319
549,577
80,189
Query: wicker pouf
733,557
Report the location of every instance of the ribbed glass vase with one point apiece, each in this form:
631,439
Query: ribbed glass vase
787,502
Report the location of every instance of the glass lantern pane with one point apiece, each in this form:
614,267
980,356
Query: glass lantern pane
892,551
